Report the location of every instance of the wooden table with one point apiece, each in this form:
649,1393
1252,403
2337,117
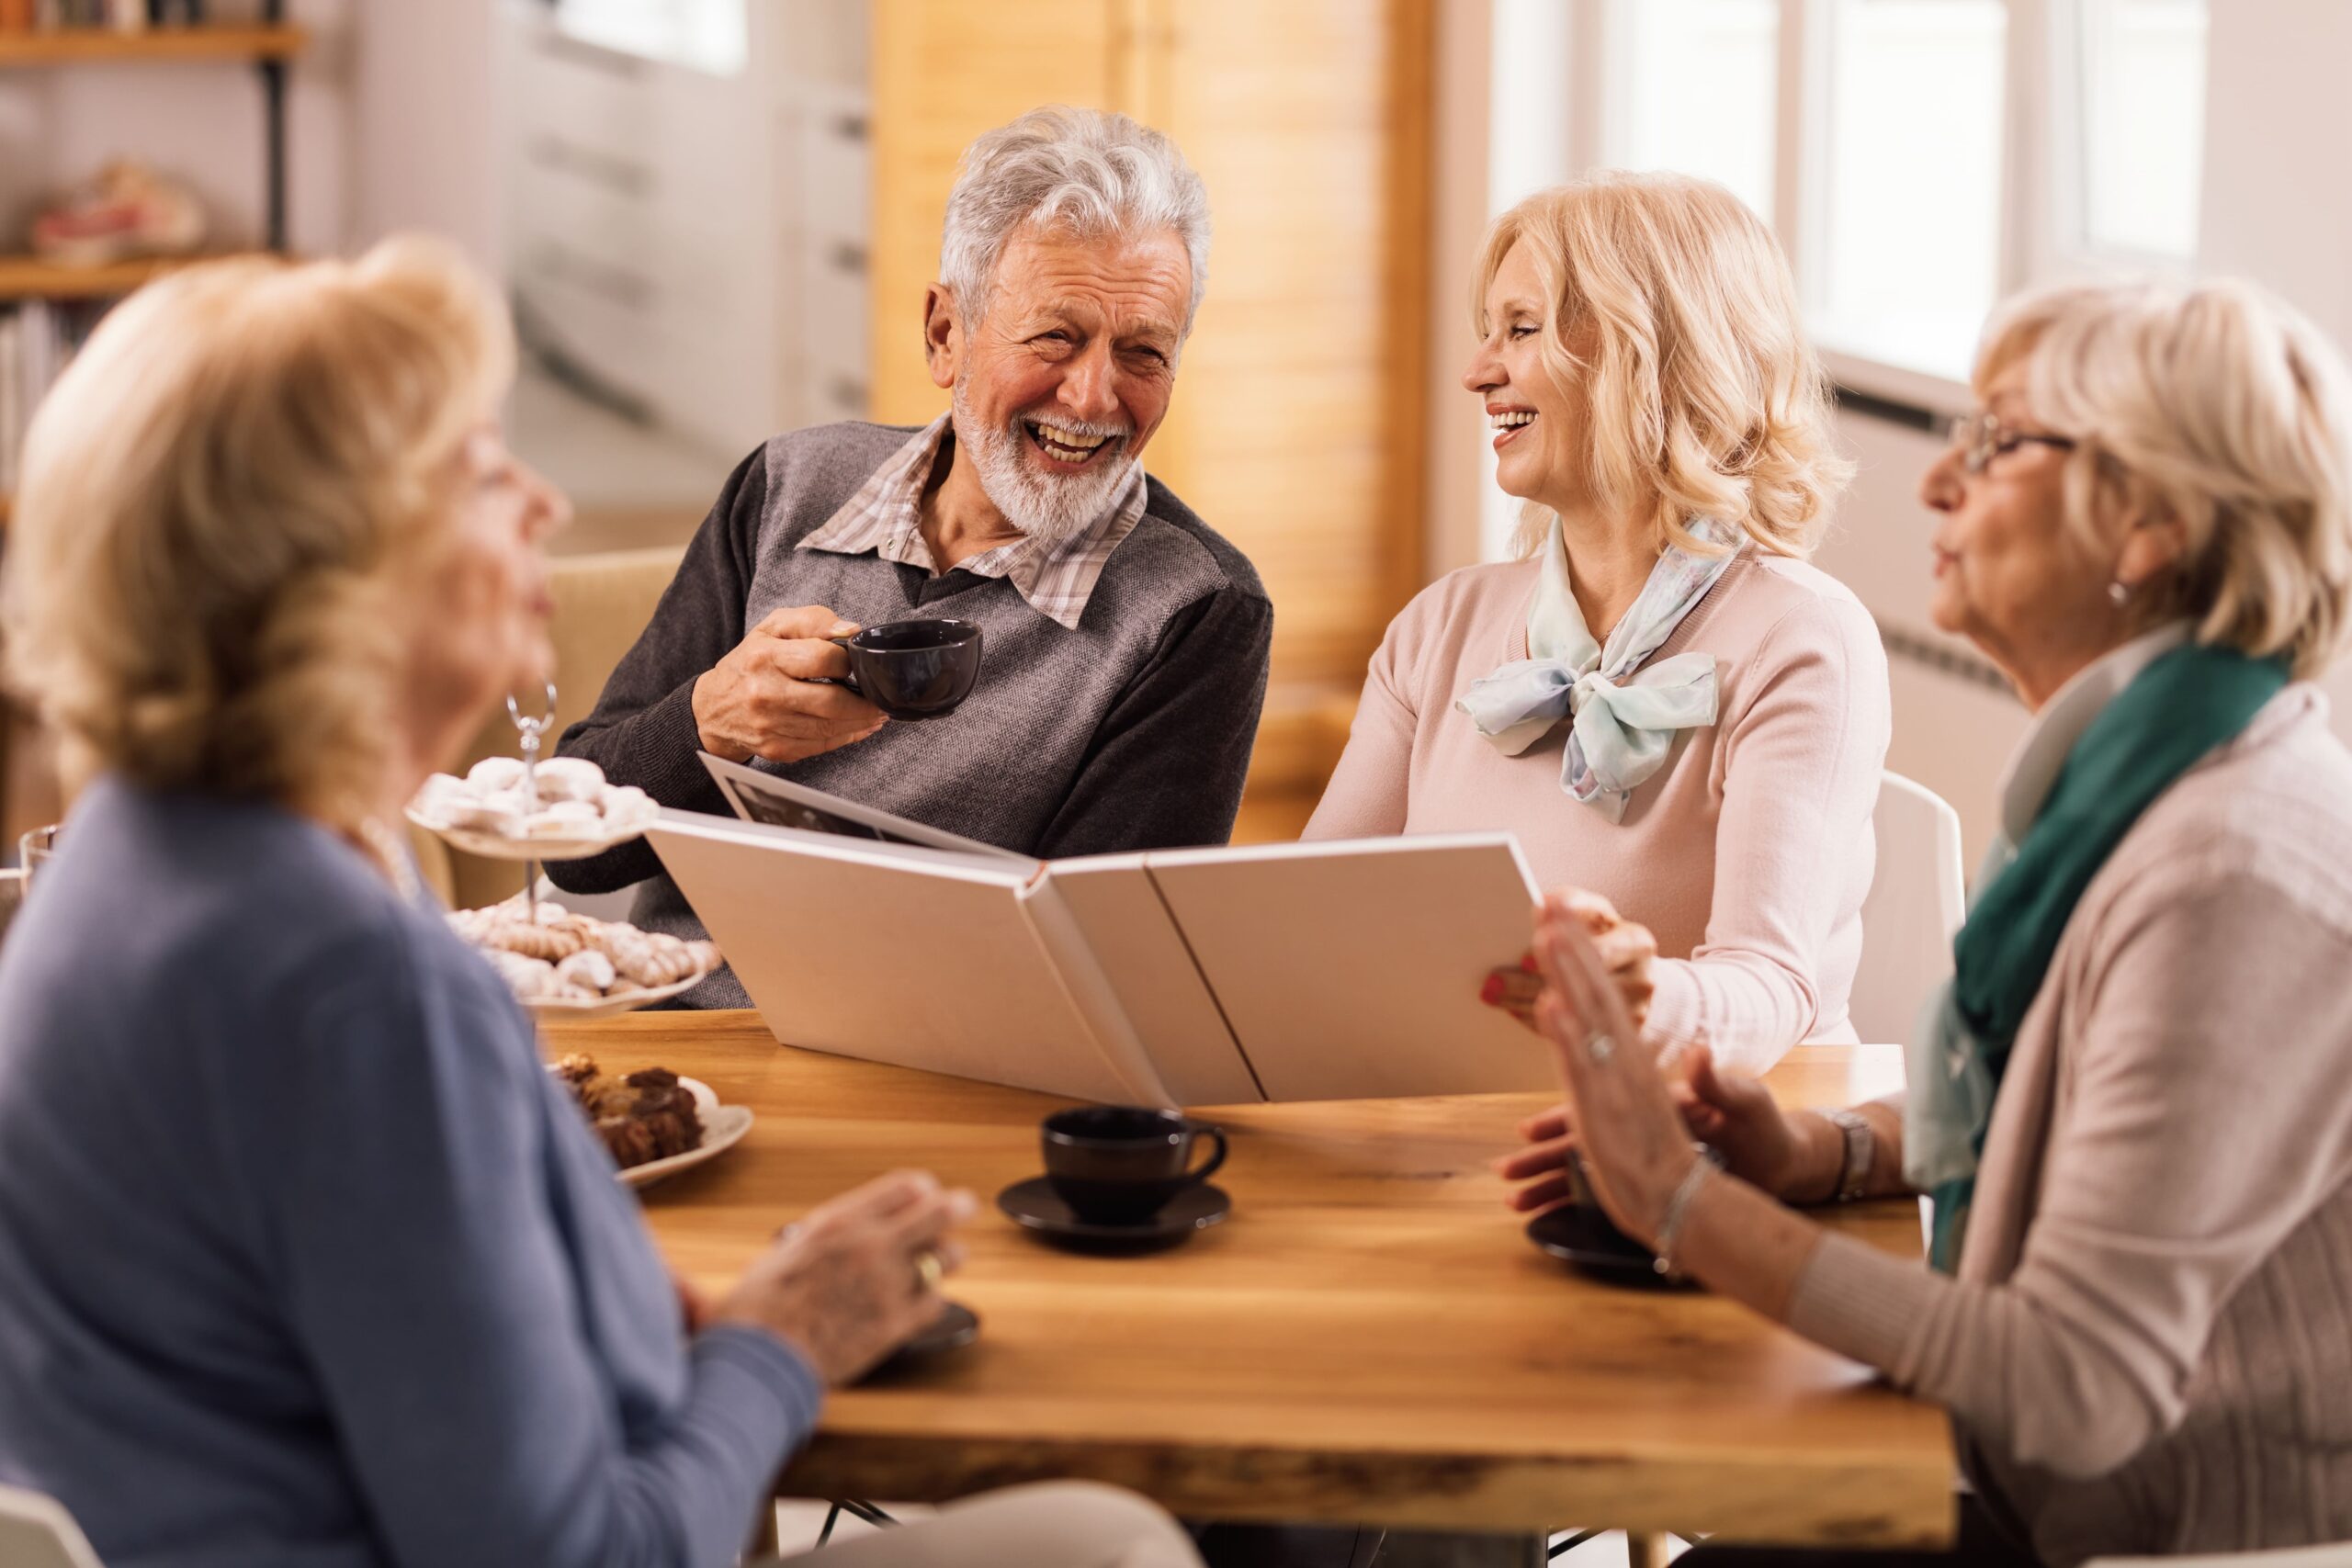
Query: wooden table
1368,1338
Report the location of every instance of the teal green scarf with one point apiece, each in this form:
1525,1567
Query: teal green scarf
2180,708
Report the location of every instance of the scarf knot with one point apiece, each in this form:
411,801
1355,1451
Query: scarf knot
1623,714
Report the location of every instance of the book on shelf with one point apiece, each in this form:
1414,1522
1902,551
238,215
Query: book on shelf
36,339
117,16
1203,977
11,416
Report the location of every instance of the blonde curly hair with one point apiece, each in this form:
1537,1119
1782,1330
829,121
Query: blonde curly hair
225,498
1704,398
2217,406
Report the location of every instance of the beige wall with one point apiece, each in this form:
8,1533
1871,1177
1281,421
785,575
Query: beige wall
425,107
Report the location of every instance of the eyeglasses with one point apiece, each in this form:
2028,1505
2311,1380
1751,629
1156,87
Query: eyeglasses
1980,437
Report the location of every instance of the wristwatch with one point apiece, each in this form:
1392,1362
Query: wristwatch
1861,1147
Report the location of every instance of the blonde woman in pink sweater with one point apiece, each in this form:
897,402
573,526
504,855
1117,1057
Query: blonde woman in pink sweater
1682,721
2130,1107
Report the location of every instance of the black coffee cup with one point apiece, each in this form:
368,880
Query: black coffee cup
1117,1165
914,668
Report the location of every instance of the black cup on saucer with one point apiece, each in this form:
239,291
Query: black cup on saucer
918,668
1121,1165
1581,1235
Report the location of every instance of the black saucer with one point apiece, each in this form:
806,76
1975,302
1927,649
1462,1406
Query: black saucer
955,1326
1034,1205
1583,1236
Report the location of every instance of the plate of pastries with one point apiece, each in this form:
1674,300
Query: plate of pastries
653,1123
566,809
573,965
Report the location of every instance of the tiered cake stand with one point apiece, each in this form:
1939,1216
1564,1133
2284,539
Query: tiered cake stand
535,854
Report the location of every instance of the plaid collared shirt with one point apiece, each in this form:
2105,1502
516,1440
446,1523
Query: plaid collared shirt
886,516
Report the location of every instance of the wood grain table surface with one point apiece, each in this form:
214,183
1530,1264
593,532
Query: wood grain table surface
1368,1338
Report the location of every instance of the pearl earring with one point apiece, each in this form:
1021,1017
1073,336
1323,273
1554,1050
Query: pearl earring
2119,593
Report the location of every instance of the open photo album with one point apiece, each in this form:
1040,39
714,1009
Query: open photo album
1330,970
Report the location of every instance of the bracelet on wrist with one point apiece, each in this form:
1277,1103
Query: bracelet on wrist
1677,1210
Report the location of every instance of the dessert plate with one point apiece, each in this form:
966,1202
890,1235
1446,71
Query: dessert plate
500,846
723,1127
612,1004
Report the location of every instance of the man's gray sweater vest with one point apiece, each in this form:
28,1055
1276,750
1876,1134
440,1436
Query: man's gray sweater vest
1132,732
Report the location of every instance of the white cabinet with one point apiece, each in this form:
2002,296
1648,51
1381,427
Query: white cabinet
694,244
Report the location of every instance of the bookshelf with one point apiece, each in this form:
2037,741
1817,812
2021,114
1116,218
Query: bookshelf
268,46
26,277
101,46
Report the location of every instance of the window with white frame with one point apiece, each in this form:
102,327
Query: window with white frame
702,35
1903,198
2140,82
1699,89
1919,158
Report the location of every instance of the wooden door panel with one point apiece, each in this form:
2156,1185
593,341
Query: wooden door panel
1298,429
944,70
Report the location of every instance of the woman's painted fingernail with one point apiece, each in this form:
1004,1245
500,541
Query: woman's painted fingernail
1527,962
1492,991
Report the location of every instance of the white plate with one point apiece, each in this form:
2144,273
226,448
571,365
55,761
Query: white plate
723,1127
613,1006
498,846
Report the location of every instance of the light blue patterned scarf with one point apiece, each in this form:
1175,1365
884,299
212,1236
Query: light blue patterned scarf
1624,714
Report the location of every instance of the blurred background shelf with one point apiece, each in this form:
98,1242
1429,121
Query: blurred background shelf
75,45
268,47
29,277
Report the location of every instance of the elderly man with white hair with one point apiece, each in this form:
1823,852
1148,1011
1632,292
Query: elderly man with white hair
1127,642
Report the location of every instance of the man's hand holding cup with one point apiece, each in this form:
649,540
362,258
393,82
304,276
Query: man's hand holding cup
772,696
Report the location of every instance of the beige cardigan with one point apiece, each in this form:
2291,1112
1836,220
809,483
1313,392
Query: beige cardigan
2148,1346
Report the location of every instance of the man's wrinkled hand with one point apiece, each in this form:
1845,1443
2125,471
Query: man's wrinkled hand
771,697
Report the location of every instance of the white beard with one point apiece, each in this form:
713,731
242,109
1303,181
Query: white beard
1050,508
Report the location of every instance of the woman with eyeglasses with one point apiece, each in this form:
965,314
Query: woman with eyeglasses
2128,1106
1681,721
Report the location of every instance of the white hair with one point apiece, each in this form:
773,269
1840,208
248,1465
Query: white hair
2220,407
1085,171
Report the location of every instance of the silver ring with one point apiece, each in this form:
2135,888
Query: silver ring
1601,1046
929,1271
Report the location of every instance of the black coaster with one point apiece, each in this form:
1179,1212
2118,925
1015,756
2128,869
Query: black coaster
955,1326
1582,1236
1034,1205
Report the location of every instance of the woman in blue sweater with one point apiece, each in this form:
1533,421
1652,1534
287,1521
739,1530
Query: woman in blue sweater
304,1259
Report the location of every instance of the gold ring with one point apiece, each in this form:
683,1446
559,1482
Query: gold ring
929,1271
